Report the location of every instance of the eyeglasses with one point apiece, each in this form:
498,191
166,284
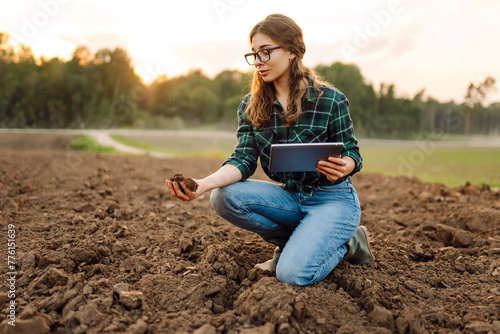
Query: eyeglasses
264,55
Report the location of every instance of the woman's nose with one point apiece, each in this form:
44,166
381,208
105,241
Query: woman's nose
257,62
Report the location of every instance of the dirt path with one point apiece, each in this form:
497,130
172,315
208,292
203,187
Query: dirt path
102,247
49,140
104,138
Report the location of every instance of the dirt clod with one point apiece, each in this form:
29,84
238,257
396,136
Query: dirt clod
189,182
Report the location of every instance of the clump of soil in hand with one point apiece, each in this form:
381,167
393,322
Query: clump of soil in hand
189,182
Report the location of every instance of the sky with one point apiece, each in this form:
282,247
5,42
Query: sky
440,46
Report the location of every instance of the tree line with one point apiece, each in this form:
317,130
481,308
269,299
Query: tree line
102,90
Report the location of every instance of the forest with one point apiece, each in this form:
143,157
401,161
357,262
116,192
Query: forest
101,90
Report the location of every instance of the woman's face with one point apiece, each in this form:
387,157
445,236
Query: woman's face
278,67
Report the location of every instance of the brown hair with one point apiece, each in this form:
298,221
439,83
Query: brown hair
287,34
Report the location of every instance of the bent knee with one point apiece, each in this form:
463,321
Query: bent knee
292,275
291,278
220,200
216,199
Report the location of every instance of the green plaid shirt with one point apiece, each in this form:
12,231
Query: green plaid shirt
324,118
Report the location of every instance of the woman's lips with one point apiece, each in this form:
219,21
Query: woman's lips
263,72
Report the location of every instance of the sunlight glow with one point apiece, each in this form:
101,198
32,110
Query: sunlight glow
150,70
440,46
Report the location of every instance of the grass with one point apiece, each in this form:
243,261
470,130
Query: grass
451,166
87,143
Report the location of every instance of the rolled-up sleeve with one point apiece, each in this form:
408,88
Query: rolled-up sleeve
245,154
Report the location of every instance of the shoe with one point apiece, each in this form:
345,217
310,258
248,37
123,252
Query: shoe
278,237
270,264
359,248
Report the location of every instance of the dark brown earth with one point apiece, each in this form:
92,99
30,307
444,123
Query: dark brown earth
189,182
102,247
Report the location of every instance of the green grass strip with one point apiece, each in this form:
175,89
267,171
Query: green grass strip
87,143
451,166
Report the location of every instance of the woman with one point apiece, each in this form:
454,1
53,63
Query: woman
312,217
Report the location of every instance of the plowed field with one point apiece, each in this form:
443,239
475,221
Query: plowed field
102,247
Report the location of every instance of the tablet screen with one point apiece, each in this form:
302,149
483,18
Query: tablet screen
301,157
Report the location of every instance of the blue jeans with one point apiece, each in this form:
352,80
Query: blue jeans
319,226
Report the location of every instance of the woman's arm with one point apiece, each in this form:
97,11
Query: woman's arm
341,130
226,175
240,166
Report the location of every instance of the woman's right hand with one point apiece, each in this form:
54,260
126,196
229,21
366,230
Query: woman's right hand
226,175
187,195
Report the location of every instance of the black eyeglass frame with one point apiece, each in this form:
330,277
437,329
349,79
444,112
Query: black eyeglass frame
256,54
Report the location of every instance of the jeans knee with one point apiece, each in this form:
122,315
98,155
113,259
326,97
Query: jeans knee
222,202
289,278
290,275
217,200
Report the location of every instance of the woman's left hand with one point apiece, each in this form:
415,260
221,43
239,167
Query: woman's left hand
335,167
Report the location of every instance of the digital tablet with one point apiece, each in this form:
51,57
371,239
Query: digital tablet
301,157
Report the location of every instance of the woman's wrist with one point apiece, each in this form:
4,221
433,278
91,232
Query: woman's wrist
226,175
350,164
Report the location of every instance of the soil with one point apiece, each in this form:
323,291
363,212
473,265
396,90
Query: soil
189,182
102,247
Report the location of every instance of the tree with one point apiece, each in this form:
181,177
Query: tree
362,98
102,90
231,86
474,98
